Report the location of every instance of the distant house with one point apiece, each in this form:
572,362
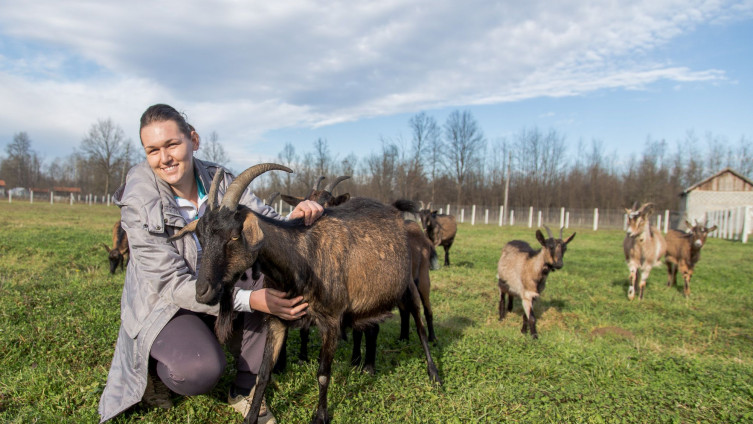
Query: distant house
2,187
726,189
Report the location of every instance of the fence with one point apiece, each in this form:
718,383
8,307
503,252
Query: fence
57,197
732,224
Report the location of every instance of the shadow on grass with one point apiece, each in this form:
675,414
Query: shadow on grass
463,264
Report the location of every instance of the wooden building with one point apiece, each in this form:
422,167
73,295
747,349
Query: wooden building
724,190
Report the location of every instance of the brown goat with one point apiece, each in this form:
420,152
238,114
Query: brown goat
440,229
684,251
331,263
522,273
118,254
644,247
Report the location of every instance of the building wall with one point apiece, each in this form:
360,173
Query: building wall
698,202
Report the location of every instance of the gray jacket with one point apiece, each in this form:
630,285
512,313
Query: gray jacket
160,278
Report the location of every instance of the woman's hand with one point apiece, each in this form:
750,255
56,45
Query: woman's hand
273,302
309,210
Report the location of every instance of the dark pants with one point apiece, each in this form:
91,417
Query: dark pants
188,358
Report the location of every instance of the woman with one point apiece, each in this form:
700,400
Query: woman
165,340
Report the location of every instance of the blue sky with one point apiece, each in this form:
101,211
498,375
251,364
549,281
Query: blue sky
353,73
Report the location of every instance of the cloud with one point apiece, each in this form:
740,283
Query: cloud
250,68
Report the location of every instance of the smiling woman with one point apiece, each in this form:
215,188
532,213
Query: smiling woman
165,343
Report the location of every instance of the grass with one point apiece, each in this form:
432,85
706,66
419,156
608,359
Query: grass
600,358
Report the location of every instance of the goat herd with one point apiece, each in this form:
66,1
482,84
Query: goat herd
332,264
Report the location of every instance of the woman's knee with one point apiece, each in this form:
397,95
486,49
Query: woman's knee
193,376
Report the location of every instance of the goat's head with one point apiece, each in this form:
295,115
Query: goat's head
554,248
229,235
638,218
324,196
114,256
699,232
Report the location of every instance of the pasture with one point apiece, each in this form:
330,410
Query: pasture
600,358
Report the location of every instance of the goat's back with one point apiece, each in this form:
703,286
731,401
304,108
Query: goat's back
513,265
648,247
679,245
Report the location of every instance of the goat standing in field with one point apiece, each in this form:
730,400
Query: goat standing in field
522,273
684,251
353,260
118,253
440,229
644,247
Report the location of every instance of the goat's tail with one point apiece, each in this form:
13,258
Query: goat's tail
433,259
405,205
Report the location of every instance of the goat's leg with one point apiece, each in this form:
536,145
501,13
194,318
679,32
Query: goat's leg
671,274
501,307
633,280
645,272
303,354
509,302
532,323
447,255
369,364
527,310
355,357
329,333
282,359
424,290
404,323
412,301
687,273
276,331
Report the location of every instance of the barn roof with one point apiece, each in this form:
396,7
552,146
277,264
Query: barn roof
67,189
2,183
746,184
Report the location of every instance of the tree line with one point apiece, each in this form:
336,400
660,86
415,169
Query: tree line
453,162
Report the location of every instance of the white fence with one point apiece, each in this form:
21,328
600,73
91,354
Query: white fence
732,224
55,197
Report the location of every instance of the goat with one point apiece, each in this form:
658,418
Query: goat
684,251
440,229
270,200
118,254
330,263
644,246
522,273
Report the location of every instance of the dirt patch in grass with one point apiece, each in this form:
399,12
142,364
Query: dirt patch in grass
611,330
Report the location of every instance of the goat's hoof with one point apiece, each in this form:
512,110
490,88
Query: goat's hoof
369,369
631,294
535,336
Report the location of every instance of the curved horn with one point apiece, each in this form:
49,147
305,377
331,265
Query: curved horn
561,232
236,188
319,181
272,197
635,206
331,186
107,248
219,175
548,231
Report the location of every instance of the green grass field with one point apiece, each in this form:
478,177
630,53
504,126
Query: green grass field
600,358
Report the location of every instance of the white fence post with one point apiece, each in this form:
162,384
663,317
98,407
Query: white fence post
51,197
10,196
567,219
562,217
71,199
530,216
666,220
486,216
624,222
31,196
596,219
658,222
512,217
448,209
473,215
746,223
539,221
501,214
441,211
462,216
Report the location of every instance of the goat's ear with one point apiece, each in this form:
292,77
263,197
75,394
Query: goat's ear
628,211
291,200
339,200
711,229
540,237
106,247
569,239
191,227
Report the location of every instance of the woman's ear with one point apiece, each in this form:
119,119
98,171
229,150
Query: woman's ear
195,140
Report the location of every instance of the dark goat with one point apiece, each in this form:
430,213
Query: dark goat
522,273
440,229
684,251
118,253
352,261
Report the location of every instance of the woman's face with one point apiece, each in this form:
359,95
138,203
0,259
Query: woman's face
170,153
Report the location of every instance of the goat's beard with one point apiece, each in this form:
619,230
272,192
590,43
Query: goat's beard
223,326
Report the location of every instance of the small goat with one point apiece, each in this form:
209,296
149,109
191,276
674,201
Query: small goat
352,261
522,273
684,251
644,246
440,229
118,253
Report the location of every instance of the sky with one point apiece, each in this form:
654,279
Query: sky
262,74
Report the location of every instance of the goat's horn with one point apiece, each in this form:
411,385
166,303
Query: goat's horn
319,181
272,197
422,204
331,186
548,231
107,248
236,188
218,177
635,206
561,232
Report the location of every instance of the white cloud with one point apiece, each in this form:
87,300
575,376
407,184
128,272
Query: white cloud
245,69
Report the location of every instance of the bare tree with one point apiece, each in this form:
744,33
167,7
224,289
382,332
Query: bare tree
464,142
425,135
213,151
288,158
322,157
105,147
23,165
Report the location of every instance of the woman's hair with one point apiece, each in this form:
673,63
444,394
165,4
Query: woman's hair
161,113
